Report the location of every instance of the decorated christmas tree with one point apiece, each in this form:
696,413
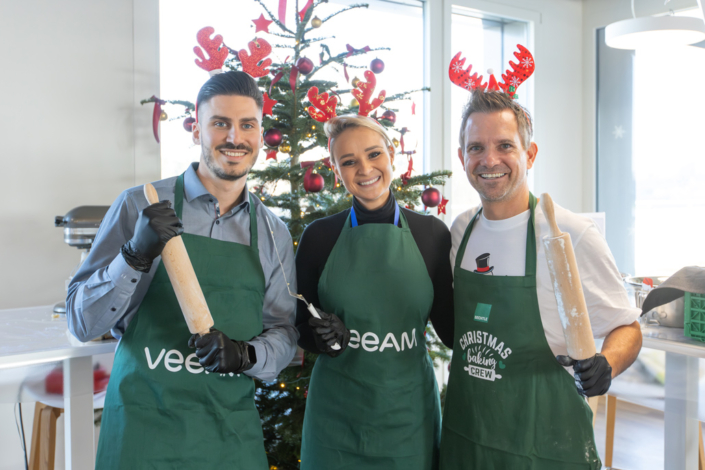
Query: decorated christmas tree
297,183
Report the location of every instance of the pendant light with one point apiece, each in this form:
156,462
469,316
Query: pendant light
655,31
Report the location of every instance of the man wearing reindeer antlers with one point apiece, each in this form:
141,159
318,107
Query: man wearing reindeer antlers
511,403
175,402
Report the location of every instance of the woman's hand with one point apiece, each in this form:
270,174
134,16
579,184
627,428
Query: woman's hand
327,331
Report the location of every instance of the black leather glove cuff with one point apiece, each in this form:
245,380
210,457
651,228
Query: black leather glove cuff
134,259
251,357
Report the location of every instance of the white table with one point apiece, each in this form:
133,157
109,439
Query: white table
30,336
681,394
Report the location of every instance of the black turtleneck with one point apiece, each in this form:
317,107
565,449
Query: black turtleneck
432,238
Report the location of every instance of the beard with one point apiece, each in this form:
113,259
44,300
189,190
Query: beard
494,194
220,172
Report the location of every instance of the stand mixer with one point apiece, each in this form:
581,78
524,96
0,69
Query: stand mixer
80,228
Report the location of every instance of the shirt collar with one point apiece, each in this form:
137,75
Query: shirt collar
193,188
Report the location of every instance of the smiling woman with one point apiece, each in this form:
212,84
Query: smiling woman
377,273
363,155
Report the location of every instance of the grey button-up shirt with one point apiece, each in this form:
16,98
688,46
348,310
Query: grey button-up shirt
105,293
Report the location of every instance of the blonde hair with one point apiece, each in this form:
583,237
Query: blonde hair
340,124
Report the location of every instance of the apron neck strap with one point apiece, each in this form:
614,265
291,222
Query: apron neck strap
253,222
353,217
530,265
179,208
179,195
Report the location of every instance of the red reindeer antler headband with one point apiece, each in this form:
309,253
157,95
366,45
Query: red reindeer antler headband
511,79
323,108
217,52
254,63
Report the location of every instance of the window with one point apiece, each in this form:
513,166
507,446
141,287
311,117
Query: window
650,161
486,43
395,25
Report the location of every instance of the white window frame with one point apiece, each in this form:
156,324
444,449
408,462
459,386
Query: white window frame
437,28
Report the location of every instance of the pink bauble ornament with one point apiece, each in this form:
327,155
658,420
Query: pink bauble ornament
390,116
273,137
305,65
188,123
431,197
377,66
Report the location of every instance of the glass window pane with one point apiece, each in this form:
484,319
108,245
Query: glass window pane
486,43
651,163
181,78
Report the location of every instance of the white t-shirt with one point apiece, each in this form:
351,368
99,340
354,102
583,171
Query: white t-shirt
505,242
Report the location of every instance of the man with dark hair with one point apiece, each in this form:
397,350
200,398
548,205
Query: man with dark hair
513,400
167,405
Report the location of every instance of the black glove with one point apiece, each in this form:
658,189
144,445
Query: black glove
593,376
327,331
218,353
156,225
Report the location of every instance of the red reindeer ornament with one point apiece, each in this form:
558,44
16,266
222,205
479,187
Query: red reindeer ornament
363,92
323,108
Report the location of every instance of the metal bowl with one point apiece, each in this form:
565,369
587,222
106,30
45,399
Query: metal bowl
671,314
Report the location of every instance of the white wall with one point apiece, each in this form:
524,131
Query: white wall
557,82
598,14
73,131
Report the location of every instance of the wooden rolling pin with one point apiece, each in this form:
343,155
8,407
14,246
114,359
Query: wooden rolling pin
183,279
567,287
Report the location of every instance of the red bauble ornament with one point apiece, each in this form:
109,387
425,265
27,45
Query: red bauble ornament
188,124
431,197
273,137
390,116
305,65
313,182
377,66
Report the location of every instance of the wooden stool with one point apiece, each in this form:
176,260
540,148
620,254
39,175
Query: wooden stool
41,455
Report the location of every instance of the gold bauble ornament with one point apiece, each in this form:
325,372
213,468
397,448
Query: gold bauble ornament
354,103
355,81
163,116
316,22
395,142
285,147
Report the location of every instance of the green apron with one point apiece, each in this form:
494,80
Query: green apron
162,409
509,404
376,406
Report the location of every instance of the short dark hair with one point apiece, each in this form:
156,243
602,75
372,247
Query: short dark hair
496,101
230,83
